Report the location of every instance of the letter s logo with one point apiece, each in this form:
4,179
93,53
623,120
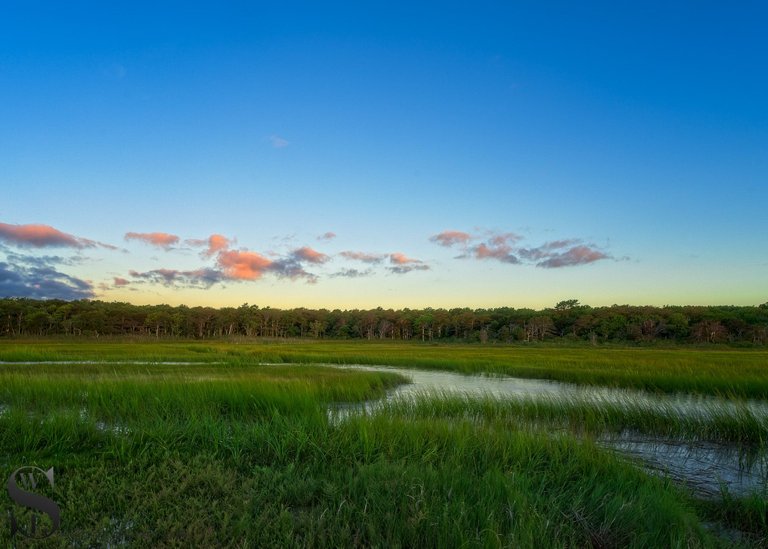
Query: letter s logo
37,503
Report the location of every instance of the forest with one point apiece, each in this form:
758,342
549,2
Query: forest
566,321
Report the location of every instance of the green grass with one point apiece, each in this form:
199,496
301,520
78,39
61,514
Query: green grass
741,373
227,452
116,392
592,416
245,456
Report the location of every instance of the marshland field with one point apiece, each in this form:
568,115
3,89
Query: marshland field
251,443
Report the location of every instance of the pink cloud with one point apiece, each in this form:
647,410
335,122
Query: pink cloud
556,244
403,264
213,244
578,255
161,240
330,235
308,254
450,238
364,257
121,281
501,252
243,265
503,239
401,259
42,236
216,243
547,249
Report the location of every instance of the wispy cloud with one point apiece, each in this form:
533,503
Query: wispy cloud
352,273
403,264
501,252
39,260
504,247
44,236
309,255
546,249
214,244
504,239
578,255
172,277
161,240
401,259
399,263
292,269
451,238
403,269
364,257
278,142
330,235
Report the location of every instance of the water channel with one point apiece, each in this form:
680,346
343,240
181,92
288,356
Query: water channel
705,467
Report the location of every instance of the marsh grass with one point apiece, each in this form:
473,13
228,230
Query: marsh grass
293,481
244,456
231,452
724,372
727,422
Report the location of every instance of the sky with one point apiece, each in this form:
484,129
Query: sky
398,154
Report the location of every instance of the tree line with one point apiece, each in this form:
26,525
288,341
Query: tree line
567,321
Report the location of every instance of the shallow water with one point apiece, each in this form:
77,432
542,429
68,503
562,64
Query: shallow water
504,386
705,467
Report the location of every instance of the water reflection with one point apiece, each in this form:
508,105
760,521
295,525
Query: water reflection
705,467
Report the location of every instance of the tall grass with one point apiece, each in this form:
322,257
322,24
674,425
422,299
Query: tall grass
244,456
120,392
740,373
290,480
712,420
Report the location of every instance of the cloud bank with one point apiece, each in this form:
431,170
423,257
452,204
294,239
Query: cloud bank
505,248
41,282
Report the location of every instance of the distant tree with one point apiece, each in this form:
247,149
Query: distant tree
709,331
567,304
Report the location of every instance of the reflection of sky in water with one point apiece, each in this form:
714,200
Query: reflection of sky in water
501,386
705,467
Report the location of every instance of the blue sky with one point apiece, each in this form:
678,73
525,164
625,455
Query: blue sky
610,152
